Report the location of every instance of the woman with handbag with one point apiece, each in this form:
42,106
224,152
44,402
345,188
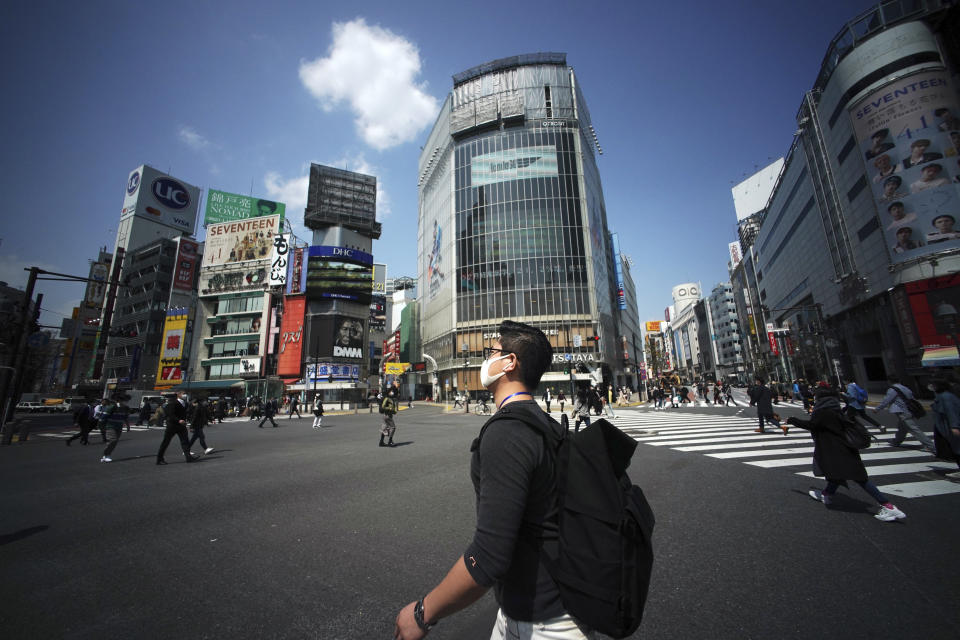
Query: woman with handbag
317,410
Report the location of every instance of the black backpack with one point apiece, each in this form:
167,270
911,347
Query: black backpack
855,435
605,524
913,406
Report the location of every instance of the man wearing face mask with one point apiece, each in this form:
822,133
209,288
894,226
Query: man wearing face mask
512,474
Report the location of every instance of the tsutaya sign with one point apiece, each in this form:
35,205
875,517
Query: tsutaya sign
574,357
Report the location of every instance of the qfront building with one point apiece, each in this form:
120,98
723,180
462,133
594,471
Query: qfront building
854,257
512,225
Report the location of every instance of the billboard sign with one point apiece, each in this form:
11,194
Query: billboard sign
653,326
514,164
297,272
155,196
279,259
171,348
735,255
335,336
291,337
395,368
242,241
93,299
250,365
339,273
909,135
226,207
186,268
322,371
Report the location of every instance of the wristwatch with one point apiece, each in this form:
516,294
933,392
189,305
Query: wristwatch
418,617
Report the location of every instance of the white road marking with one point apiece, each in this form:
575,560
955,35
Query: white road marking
921,489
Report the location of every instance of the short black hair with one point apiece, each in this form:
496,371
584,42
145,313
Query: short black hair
533,350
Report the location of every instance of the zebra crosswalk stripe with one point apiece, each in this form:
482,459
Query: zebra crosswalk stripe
731,438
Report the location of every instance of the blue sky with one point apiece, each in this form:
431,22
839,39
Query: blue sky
687,98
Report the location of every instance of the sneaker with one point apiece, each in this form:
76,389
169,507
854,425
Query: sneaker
106,459
819,496
889,514
208,450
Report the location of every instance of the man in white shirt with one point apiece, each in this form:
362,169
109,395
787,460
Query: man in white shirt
930,178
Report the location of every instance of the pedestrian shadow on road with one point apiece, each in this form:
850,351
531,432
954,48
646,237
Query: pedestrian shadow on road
402,444
7,538
841,502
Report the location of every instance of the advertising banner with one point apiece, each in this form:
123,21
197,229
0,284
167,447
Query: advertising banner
171,348
226,207
514,164
909,134
161,198
735,255
395,368
335,336
184,272
250,365
93,299
772,339
253,277
242,241
322,371
297,272
279,259
378,314
340,273
653,327
291,337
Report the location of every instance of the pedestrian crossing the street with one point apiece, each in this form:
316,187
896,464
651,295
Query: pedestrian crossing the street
908,473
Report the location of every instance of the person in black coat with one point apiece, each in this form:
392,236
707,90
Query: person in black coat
175,413
761,396
833,458
269,410
198,420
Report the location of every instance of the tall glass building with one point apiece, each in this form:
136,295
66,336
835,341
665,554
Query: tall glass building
512,223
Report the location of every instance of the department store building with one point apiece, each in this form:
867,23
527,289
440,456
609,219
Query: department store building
512,225
856,262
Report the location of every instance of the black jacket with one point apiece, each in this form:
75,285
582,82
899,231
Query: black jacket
174,413
760,395
832,458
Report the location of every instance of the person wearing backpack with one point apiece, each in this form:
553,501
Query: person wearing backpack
513,477
856,397
946,428
836,460
900,398
389,409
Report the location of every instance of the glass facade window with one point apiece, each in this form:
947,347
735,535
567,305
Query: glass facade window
239,305
519,233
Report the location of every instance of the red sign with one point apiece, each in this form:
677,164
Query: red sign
172,374
186,267
936,310
291,336
772,337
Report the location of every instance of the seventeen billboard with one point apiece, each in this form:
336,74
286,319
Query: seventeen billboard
909,135
241,241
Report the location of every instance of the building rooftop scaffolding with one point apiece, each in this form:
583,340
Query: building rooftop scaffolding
509,63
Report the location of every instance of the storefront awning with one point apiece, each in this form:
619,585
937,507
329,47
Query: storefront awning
940,357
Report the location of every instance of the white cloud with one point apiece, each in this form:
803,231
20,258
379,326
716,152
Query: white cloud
375,71
190,137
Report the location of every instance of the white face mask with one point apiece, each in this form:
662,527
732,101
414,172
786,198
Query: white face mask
485,378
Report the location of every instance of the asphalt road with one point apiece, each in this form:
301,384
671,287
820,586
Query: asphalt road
301,533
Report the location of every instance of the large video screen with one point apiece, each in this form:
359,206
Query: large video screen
339,273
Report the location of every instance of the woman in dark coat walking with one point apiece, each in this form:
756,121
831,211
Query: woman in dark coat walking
833,459
946,425
762,397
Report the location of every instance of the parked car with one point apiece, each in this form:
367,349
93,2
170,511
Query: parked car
29,407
